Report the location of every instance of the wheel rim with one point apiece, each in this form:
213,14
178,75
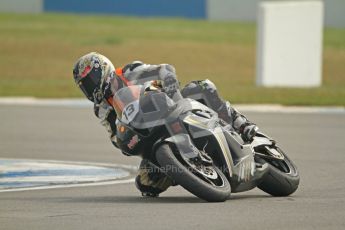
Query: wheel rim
285,165
207,173
211,176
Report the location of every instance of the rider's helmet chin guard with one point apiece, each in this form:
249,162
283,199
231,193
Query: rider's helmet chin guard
91,71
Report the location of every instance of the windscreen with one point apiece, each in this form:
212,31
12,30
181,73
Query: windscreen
126,102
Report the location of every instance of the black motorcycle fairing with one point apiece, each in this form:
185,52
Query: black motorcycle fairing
129,140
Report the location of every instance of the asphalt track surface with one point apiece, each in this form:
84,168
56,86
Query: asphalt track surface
315,142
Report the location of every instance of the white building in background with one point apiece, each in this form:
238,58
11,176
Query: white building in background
232,10
21,6
246,10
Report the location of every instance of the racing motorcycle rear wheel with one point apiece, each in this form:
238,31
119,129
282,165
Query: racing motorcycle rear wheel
212,189
282,178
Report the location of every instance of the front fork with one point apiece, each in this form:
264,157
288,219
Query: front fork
245,173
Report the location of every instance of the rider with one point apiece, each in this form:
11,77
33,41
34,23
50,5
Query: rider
98,79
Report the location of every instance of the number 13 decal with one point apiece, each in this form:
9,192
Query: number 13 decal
130,111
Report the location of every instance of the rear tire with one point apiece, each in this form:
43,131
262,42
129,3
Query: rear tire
184,177
282,178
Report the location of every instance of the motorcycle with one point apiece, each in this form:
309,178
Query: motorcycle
188,142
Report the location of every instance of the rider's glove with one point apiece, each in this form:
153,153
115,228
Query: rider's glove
155,85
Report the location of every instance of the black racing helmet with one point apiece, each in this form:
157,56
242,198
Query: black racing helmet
90,71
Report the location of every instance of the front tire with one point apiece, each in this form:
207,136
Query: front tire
188,180
282,178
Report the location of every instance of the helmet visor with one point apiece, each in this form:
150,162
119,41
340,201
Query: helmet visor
89,83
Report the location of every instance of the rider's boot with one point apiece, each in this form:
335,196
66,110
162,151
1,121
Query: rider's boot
241,124
150,181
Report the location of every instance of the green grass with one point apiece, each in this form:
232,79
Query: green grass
37,53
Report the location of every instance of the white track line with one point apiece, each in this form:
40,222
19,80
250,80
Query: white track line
129,167
70,185
261,108
110,182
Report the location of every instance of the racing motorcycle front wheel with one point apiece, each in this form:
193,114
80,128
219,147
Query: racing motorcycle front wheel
205,181
282,178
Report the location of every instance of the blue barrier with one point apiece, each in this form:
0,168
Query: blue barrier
165,8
